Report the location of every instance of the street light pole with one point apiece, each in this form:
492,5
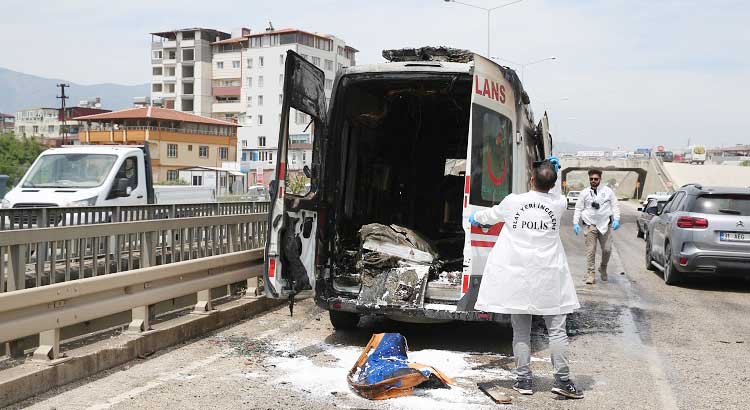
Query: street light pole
524,65
489,11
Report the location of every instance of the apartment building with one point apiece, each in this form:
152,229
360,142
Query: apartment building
47,124
240,79
177,140
181,70
7,123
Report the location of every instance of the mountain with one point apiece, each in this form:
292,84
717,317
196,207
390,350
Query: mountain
572,147
20,91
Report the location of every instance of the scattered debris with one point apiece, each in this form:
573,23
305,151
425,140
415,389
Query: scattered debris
496,392
382,371
448,54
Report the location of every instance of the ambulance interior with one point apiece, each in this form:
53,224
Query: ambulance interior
399,151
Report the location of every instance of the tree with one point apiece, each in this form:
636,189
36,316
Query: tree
296,183
17,155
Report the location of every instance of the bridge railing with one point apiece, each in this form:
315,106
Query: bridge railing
92,271
31,216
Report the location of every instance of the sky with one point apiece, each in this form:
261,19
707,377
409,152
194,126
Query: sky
627,73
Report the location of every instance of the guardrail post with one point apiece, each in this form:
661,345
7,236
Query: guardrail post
141,320
17,255
49,345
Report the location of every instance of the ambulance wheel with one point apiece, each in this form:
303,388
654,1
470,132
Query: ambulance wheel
343,320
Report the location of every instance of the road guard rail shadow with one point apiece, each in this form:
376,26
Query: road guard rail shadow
124,274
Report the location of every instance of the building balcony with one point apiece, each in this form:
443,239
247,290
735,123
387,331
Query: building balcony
227,91
187,43
133,134
169,44
226,107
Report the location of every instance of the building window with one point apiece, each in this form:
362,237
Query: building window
169,88
316,61
260,61
223,152
281,79
169,71
203,151
190,147
260,100
329,65
236,64
329,84
187,88
156,70
171,54
156,54
156,88
260,81
249,82
281,99
172,150
172,175
197,180
219,65
244,143
188,54
260,119
281,59
188,35
188,71
304,156
51,129
249,100
249,63
261,141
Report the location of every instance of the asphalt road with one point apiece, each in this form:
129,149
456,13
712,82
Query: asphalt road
636,344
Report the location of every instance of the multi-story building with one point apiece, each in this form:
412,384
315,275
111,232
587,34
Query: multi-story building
181,71
246,73
7,123
47,124
177,140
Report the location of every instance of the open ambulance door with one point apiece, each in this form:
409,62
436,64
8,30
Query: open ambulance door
293,217
546,137
490,166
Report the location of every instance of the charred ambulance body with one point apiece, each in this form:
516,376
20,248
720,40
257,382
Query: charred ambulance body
405,153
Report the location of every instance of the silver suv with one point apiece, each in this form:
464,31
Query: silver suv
701,231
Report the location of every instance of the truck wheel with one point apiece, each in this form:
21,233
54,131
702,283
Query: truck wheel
671,275
343,320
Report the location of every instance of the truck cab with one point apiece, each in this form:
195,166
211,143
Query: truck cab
405,153
85,176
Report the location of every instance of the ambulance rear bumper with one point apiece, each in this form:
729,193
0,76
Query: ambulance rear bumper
429,312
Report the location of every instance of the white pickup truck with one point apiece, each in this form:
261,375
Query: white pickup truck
96,175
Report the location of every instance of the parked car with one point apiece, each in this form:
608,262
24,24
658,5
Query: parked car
647,212
656,195
573,198
701,231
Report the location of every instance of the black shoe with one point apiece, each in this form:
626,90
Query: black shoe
566,388
523,386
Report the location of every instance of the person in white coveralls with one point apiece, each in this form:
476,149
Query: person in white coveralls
527,273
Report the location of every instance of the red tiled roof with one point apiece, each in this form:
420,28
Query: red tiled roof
231,40
154,113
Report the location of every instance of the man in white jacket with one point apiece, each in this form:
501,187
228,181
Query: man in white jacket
527,273
597,208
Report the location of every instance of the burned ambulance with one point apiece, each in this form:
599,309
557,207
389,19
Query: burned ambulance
403,155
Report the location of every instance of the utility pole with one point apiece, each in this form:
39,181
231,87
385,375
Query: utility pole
63,97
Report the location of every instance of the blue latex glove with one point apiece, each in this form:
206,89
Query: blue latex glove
472,220
555,161
577,229
616,224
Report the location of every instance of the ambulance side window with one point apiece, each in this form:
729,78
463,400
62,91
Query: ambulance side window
491,157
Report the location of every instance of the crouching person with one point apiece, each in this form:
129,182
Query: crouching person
527,273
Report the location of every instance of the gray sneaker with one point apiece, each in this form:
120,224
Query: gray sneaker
567,389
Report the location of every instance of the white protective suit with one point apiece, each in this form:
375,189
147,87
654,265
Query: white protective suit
608,207
527,270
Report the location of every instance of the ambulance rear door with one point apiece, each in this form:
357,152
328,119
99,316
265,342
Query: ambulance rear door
490,166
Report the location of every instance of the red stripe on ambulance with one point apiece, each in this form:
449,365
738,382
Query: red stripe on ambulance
482,244
494,230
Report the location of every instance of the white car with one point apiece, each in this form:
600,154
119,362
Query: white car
573,198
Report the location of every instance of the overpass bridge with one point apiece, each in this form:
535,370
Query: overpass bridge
642,177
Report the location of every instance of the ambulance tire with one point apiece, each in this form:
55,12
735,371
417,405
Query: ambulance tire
343,320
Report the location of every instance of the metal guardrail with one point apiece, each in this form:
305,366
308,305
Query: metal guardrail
174,258
41,216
